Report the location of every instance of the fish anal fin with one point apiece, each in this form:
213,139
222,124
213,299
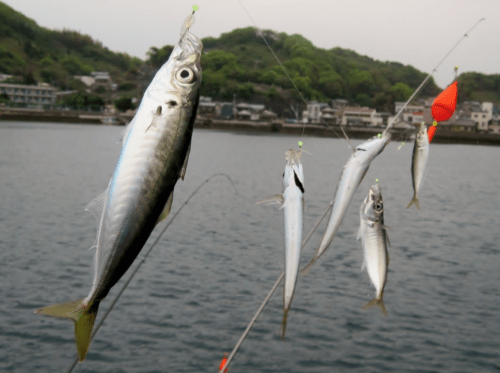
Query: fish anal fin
376,302
168,207
184,166
82,315
276,199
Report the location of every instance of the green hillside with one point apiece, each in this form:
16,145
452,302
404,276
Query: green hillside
479,87
240,62
237,62
31,51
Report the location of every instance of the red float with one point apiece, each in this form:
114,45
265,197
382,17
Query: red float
444,105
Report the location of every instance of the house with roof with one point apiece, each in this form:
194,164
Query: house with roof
361,116
483,117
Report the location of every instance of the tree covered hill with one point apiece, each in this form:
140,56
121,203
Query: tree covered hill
29,50
238,62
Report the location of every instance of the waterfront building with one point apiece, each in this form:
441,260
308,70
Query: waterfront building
361,116
483,117
30,95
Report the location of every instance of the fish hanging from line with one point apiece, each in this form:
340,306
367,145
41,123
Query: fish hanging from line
292,201
352,175
419,162
154,156
373,235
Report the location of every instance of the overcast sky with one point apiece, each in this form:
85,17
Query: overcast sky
418,33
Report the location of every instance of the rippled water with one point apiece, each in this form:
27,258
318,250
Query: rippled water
198,290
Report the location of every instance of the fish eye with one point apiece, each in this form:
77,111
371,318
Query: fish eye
185,75
378,207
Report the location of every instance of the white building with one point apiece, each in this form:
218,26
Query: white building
411,113
313,112
361,116
483,117
29,94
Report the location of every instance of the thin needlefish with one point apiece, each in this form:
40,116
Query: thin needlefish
154,156
374,238
419,162
352,175
292,201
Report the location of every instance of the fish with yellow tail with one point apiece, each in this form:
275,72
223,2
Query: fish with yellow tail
154,156
352,175
292,201
419,162
373,235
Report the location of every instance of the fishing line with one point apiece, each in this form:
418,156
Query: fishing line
428,76
96,329
277,59
261,308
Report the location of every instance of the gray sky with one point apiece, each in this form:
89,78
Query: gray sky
419,33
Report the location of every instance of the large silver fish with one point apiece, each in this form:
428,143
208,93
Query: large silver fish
292,201
352,175
419,162
374,239
154,156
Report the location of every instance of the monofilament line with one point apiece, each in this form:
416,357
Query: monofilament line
271,292
283,67
96,329
428,76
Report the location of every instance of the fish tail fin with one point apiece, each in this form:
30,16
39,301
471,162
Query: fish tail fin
283,324
415,202
376,302
83,316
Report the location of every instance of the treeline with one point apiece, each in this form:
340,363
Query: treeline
239,62
479,87
54,57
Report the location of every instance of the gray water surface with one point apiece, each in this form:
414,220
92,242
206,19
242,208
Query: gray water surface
198,290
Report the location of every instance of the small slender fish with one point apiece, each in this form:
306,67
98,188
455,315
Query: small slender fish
374,239
419,162
292,201
352,175
154,156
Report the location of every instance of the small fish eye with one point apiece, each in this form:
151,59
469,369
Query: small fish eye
185,75
378,206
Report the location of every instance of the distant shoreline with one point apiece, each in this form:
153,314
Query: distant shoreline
443,135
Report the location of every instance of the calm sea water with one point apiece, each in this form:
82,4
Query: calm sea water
200,287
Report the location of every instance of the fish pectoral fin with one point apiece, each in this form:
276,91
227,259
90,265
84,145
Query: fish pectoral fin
82,315
155,116
276,199
387,238
360,233
96,206
184,166
166,210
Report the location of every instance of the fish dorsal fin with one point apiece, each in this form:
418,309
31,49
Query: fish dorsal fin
96,206
184,166
168,207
